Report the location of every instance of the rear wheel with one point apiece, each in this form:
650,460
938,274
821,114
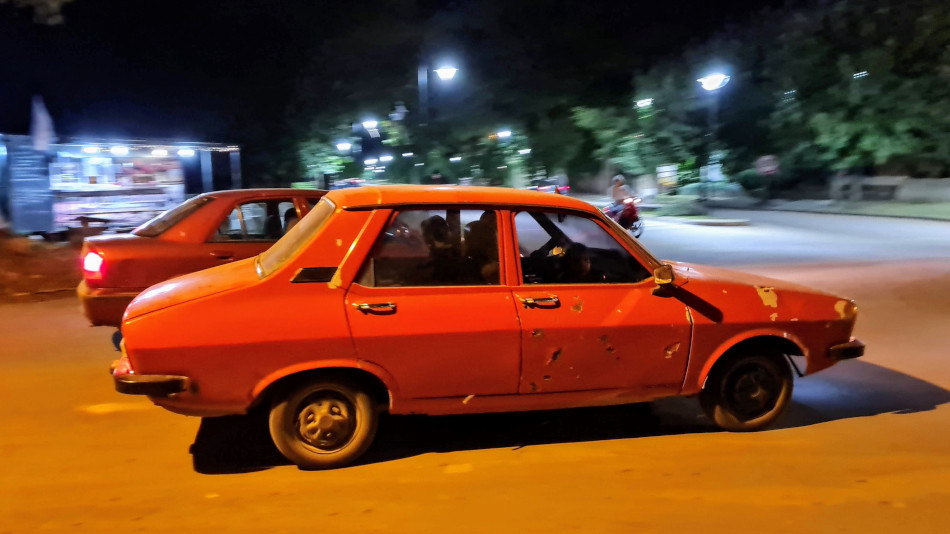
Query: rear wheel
748,392
323,424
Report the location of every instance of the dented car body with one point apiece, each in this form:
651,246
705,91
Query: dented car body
453,300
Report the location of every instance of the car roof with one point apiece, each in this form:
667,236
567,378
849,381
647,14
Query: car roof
265,192
393,195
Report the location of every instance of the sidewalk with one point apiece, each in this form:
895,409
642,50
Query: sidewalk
939,211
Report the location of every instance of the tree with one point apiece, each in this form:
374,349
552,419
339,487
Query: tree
44,11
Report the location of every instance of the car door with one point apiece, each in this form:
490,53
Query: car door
588,314
429,305
248,229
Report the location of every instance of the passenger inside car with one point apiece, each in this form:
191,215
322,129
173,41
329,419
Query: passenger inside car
290,219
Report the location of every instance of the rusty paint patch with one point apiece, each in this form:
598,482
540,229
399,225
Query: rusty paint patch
534,388
554,356
609,348
468,399
840,307
578,306
768,295
537,333
773,317
672,350
547,377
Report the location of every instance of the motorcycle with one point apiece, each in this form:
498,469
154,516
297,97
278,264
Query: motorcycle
627,215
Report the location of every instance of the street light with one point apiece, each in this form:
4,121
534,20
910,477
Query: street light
644,103
343,146
446,73
504,134
369,124
712,83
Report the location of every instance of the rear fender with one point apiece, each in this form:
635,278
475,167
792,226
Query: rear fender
303,367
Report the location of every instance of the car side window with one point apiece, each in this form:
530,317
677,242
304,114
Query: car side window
260,220
564,248
423,247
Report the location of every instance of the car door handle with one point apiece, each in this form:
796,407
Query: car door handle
222,255
379,308
541,302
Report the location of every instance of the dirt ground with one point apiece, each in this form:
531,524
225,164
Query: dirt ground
32,270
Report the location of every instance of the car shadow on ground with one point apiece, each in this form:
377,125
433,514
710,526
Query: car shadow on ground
239,444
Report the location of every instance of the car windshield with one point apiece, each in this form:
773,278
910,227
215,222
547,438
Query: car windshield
158,225
283,249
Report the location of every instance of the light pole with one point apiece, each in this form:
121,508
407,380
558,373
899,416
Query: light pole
712,83
445,73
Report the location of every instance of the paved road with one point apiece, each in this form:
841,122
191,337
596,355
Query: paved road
865,446
782,237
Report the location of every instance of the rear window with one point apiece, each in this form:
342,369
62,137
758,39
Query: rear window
166,220
296,237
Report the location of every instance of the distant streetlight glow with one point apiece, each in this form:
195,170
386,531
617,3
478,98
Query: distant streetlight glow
159,152
91,150
455,159
524,151
504,133
446,73
378,170
714,81
385,158
186,152
370,161
343,146
861,74
119,150
644,103
407,154
419,164
370,124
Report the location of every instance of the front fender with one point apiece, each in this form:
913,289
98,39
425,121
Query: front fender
722,348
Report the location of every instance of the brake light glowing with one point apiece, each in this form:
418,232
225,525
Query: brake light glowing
92,263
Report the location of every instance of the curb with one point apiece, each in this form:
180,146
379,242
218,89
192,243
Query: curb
704,222
849,214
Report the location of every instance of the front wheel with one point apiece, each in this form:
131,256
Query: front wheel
747,393
636,229
323,424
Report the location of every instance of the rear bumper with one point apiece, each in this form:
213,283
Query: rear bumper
159,386
846,351
103,306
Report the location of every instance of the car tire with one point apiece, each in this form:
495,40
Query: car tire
748,392
323,424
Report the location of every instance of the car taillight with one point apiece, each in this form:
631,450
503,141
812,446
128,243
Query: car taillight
92,264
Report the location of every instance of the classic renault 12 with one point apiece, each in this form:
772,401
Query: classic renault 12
455,300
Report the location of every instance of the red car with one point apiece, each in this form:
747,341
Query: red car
207,230
454,300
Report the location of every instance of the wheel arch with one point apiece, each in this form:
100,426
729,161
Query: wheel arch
378,383
781,342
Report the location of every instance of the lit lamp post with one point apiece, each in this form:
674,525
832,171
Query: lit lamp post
712,83
445,73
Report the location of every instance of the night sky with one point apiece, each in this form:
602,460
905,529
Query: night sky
206,70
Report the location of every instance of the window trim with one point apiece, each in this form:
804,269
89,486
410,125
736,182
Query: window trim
599,220
396,209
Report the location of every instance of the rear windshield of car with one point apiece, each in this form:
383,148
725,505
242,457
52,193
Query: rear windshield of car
166,220
285,247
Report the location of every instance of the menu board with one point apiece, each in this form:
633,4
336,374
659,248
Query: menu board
31,201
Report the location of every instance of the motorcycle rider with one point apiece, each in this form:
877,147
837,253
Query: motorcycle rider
618,192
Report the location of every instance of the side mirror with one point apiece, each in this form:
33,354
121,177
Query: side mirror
663,275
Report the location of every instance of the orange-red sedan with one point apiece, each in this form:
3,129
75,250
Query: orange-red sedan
452,300
205,231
